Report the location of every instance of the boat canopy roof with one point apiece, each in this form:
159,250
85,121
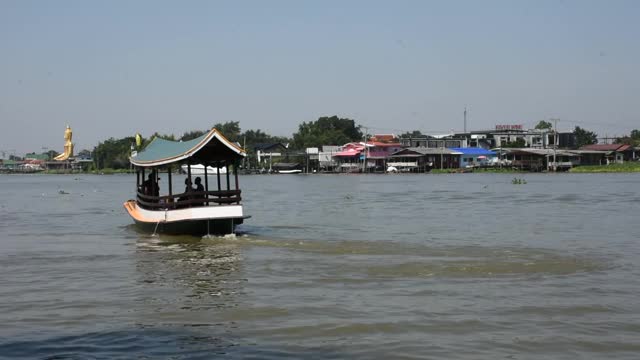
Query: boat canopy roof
208,148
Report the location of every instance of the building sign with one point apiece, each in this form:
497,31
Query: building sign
508,127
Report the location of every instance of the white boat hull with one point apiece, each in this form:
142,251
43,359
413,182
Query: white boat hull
199,170
289,171
197,220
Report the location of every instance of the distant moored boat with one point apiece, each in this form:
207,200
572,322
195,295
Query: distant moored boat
198,169
296,171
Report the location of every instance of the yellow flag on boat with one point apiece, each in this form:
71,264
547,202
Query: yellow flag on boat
138,141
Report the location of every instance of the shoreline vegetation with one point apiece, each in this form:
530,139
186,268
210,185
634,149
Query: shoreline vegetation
627,167
112,156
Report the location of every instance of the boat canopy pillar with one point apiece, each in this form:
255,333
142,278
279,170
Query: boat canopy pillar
218,175
206,180
170,183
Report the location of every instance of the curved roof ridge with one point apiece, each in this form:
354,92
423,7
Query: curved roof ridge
162,151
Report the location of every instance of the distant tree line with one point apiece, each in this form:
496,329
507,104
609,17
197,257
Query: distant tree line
326,130
114,153
583,136
632,139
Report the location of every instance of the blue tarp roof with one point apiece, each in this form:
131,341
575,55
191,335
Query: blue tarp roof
474,151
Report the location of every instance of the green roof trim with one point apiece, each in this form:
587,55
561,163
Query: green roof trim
35,156
160,148
210,146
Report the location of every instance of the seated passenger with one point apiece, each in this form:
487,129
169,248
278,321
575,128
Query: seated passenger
187,190
199,188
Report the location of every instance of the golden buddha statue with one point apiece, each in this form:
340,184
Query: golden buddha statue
68,146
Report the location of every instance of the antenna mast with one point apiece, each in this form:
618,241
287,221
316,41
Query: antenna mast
465,119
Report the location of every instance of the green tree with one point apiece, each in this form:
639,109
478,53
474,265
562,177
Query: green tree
518,143
632,139
584,137
326,131
544,125
411,134
113,153
162,136
251,138
190,135
230,130
51,154
84,154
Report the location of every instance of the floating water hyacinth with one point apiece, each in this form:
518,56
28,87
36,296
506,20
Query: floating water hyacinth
517,181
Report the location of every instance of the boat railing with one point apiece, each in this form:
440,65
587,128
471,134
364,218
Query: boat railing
190,199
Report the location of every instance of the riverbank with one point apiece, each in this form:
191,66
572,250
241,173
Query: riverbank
627,167
504,170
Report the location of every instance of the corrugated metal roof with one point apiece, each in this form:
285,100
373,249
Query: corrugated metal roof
348,152
541,152
384,137
424,151
580,152
268,146
382,144
377,154
606,147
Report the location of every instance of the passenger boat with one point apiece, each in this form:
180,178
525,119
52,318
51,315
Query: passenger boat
215,211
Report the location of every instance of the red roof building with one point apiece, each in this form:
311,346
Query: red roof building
615,152
607,147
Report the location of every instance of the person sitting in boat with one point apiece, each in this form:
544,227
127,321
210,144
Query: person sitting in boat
150,186
188,189
199,188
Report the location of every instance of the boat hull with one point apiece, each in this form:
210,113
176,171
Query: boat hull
289,171
191,227
214,220
199,170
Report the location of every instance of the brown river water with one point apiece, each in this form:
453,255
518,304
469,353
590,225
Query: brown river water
464,266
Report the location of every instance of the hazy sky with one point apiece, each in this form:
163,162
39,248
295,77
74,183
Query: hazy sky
114,68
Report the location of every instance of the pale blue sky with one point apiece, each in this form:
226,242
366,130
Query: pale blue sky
113,68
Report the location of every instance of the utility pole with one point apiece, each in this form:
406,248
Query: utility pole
465,119
364,153
442,155
555,143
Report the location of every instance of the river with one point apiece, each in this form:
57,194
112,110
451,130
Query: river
464,266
